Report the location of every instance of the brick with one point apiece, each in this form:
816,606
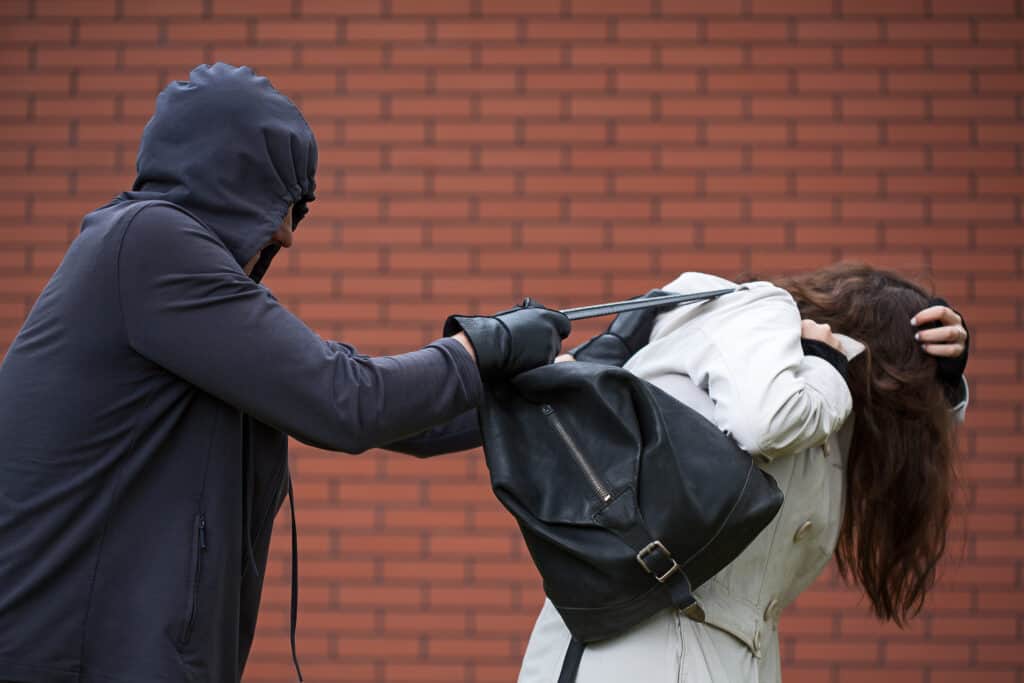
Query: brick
719,133
180,8
660,29
528,7
684,7
430,7
884,57
882,7
801,56
281,30
75,8
433,56
358,30
476,81
975,8
764,29
792,106
974,108
883,107
931,184
700,209
701,106
333,7
37,83
924,30
473,30
748,82
495,133
837,31
245,7
948,653
819,183
883,158
563,81
896,209
385,81
208,31
837,133
791,7
524,260
521,157
999,29
700,158
577,132
613,7
613,55
667,183
838,81
430,157
15,32
665,133
926,82
710,55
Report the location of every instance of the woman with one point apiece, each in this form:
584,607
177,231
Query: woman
854,425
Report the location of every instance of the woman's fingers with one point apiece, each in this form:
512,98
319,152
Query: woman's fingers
809,329
952,334
948,340
943,350
942,314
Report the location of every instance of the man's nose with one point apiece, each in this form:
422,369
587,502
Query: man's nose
284,236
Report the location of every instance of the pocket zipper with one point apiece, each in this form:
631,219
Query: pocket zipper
197,571
595,481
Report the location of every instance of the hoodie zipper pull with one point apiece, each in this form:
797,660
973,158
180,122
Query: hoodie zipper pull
202,533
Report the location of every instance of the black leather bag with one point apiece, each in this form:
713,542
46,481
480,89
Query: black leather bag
627,499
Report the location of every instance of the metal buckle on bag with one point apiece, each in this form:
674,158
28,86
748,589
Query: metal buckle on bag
651,549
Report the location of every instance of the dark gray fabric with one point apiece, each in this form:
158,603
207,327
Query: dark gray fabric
144,405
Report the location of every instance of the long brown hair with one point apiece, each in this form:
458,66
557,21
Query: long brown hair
899,476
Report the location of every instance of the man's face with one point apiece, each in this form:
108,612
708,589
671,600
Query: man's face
283,237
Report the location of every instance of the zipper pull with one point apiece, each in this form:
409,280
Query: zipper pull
546,409
202,533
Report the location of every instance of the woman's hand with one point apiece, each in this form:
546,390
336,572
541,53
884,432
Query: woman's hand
818,332
949,339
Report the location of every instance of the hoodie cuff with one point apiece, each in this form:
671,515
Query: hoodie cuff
465,367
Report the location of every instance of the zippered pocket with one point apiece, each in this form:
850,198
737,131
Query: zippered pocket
601,489
196,574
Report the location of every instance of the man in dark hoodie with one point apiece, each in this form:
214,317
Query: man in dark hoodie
146,402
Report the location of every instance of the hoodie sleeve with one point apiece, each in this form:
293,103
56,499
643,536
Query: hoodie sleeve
461,434
188,307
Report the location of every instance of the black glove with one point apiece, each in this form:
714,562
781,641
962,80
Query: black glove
628,333
949,371
512,341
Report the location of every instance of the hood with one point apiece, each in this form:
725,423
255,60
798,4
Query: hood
231,150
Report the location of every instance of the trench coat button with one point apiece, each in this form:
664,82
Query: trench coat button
804,529
757,641
770,612
695,612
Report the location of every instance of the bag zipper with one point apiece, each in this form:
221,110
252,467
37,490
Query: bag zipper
197,571
599,487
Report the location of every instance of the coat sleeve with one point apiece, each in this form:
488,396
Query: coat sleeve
189,308
767,395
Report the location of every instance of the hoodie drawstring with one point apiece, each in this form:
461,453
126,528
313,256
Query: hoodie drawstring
295,576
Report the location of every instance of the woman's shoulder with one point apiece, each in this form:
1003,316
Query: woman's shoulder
693,281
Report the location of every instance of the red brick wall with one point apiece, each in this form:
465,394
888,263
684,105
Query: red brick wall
474,151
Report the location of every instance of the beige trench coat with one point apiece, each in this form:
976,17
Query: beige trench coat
739,361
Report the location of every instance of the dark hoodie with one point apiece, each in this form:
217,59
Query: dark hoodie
145,403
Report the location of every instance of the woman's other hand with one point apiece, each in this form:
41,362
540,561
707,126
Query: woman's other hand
809,329
948,339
